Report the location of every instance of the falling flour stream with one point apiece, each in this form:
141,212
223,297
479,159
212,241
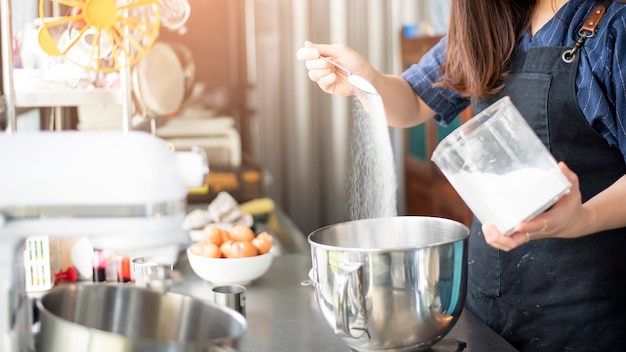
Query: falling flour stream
372,180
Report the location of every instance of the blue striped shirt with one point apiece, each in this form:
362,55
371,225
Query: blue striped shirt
601,80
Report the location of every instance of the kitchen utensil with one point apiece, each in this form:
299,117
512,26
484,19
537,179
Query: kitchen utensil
231,296
174,13
102,318
106,36
70,274
47,43
86,46
158,82
357,81
185,56
81,255
500,168
143,268
390,284
37,264
129,199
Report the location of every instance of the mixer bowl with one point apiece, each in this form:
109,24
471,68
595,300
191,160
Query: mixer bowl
99,318
390,284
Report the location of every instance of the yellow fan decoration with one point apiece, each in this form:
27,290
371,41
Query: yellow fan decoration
101,35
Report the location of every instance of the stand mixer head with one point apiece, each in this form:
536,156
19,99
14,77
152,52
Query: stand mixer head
125,191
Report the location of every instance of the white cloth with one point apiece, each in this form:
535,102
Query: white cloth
224,209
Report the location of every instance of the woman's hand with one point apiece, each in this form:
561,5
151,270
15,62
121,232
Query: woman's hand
564,220
330,78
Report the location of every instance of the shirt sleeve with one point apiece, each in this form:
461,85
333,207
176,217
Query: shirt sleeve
618,78
422,76
601,80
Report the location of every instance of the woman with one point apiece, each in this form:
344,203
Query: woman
558,283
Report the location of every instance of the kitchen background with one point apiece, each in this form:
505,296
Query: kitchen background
245,57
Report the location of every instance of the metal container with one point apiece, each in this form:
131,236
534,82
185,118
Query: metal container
99,318
390,284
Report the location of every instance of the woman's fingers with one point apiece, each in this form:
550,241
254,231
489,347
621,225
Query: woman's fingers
326,75
307,53
503,242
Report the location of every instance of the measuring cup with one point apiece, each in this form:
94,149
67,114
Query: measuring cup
357,81
500,168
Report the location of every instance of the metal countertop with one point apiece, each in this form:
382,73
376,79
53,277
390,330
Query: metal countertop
283,315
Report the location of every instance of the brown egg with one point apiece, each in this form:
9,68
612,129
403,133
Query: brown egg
211,250
227,249
241,233
262,242
213,234
206,249
242,249
226,236
197,248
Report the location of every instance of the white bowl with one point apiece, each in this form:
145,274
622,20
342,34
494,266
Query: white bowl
229,271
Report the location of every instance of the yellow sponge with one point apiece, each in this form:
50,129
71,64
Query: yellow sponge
258,206
199,190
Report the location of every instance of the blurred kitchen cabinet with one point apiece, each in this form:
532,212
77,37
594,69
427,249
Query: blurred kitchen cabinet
427,190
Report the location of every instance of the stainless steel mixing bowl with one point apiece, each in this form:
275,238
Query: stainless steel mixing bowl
99,318
390,284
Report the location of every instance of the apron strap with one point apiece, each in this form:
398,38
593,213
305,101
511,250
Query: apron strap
591,24
588,29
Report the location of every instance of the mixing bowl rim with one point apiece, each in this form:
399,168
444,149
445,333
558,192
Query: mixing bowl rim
47,314
383,250
329,247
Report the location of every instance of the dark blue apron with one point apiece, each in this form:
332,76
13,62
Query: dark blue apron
555,294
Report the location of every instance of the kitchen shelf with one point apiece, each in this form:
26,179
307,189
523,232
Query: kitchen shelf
31,90
27,88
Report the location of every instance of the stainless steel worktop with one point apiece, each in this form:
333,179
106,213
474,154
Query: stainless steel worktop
283,315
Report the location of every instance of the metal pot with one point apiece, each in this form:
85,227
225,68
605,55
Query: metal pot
99,318
160,80
390,284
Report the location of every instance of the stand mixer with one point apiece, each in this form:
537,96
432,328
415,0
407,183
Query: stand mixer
125,191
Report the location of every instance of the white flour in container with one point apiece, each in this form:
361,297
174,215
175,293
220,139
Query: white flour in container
510,198
372,179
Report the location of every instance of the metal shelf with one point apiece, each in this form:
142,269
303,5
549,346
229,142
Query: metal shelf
33,91
25,88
